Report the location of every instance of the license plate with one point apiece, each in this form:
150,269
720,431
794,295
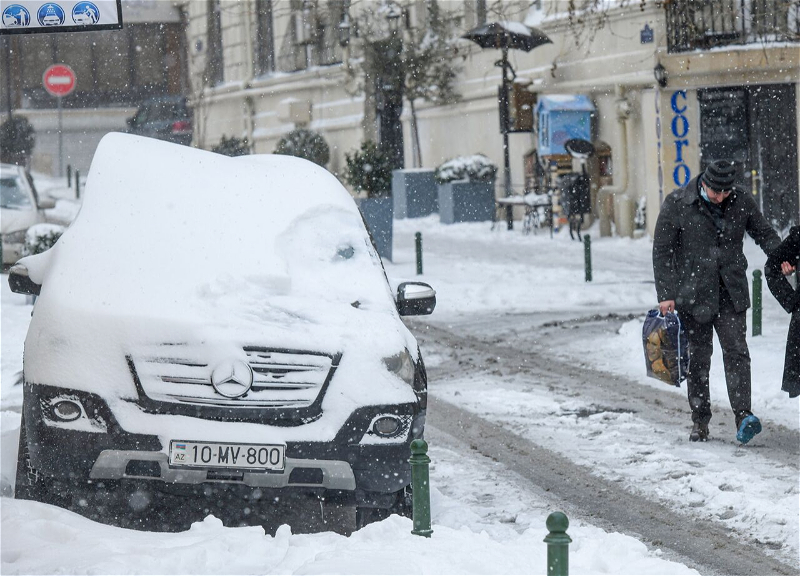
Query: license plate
214,455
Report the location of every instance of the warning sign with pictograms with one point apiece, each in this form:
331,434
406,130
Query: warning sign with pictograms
35,16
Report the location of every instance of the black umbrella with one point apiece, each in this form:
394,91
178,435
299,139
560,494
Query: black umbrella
507,36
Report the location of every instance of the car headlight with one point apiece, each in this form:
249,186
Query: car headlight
17,237
401,365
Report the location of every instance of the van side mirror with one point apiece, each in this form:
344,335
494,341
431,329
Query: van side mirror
415,299
20,282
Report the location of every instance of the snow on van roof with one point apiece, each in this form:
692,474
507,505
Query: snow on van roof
176,244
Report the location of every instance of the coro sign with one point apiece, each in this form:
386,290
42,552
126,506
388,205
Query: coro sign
681,173
36,16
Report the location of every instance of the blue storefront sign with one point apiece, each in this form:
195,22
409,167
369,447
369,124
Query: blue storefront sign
681,173
563,117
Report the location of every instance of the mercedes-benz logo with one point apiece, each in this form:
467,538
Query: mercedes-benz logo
232,379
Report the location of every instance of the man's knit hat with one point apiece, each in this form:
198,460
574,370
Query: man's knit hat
720,175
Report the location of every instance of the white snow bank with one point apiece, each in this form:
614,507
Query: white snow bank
462,542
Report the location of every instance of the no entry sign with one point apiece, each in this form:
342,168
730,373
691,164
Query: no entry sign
59,80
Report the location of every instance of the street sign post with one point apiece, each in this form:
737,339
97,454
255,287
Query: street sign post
59,80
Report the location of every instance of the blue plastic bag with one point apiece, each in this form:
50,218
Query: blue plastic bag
666,347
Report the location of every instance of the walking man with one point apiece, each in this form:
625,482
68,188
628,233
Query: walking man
701,271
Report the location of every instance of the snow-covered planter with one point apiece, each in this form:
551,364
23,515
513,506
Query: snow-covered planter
378,214
466,189
465,201
369,170
41,237
476,168
415,193
305,144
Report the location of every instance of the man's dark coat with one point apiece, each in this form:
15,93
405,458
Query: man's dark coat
788,251
692,250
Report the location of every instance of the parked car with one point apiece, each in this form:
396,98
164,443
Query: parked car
165,117
244,358
21,208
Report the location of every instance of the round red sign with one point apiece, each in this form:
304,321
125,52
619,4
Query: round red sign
59,80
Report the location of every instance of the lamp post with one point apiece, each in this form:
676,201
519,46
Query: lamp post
506,152
506,36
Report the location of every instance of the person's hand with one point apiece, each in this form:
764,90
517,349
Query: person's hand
787,268
666,306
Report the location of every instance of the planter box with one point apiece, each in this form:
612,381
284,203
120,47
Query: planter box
415,193
377,214
465,201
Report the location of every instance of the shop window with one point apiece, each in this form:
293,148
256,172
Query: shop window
147,55
214,61
113,66
265,38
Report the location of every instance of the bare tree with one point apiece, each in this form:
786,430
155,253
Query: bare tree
418,60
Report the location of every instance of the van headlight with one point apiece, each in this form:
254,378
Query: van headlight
402,365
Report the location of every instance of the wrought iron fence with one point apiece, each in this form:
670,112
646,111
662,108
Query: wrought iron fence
704,24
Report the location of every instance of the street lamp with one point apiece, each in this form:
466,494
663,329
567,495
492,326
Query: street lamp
661,75
505,36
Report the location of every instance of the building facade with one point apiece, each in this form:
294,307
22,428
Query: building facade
673,85
115,69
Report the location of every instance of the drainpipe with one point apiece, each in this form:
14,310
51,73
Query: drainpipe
615,198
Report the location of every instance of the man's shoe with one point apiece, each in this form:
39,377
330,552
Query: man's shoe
699,433
749,427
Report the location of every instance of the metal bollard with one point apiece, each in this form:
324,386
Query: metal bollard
757,302
69,175
557,544
418,241
587,253
77,184
421,489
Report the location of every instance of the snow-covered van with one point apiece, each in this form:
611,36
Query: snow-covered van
217,335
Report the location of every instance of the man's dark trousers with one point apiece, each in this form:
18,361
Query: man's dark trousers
731,327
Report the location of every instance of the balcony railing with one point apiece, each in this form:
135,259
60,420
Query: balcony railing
704,24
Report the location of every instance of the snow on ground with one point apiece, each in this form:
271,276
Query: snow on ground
470,537
718,480
483,521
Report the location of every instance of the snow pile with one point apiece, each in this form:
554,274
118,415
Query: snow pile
465,540
477,168
41,237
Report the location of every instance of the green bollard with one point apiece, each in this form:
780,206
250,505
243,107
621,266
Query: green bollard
757,302
557,544
587,256
69,175
77,184
418,241
420,489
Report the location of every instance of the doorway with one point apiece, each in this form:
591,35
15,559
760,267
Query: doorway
756,126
